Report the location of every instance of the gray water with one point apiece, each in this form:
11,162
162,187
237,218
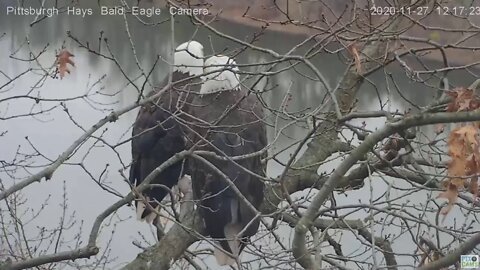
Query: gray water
54,131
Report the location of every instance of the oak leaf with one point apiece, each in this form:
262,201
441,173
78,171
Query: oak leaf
63,59
352,49
464,150
451,194
464,99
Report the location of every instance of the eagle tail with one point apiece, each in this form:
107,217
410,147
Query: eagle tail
232,239
152,215
222,257
232,235
232,232
145,214
140,208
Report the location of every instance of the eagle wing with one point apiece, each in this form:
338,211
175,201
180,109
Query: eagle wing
156,137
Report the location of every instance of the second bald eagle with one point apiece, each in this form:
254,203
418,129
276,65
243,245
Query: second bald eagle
228,122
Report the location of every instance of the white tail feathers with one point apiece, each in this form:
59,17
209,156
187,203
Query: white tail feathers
141,207
232,231
232,234
184,186
222,257
151,217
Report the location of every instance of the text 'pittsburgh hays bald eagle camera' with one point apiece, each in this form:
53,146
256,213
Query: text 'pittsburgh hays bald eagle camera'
219,116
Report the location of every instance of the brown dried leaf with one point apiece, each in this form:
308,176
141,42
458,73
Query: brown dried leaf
463,148
469,134
63,59
455,145
451,194
463,100
456,168
356,57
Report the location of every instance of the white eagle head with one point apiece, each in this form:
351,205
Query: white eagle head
225,77
188,58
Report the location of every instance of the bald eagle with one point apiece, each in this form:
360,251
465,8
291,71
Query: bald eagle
157,135
229,130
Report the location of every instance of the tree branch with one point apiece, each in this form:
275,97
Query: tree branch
299,246
454,256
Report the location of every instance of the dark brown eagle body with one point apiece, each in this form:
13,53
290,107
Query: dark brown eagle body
240,131
157,132
157,136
